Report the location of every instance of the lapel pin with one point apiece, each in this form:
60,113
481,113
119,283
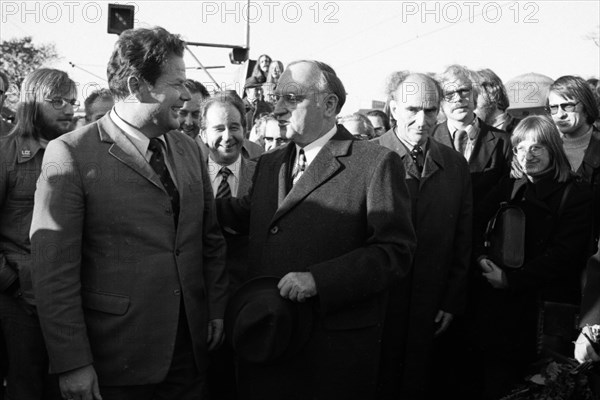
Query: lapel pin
26,153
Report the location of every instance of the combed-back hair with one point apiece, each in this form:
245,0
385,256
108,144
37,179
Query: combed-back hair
225,97
141,53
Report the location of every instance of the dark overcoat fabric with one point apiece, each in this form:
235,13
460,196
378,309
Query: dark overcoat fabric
555,247
442,211
589,173
347,221
110,268
490,159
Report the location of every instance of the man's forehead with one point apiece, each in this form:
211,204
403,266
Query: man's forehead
297,78
455,83
417,91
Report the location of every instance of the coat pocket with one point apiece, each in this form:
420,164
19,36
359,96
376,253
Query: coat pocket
110,303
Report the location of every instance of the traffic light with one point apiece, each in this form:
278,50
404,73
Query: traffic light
120,18
238,55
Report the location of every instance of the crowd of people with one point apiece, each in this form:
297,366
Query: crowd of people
181,244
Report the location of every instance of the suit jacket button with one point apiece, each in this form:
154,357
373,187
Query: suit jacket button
168,211
176,292
274,230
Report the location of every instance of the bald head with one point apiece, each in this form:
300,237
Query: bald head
415,104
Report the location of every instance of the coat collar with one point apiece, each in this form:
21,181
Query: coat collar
591,157
323,167
433,159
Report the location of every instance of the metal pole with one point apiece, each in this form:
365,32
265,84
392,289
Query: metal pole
203,69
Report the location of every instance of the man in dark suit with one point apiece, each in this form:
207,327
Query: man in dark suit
230,170
488,150
438,279
330,217
132,294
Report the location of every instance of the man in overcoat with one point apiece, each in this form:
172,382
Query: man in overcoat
329,216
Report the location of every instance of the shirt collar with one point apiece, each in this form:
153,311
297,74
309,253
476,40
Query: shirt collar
214,168
311,150
472,129
137,138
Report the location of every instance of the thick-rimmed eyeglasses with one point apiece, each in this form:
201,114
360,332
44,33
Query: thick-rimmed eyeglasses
61,102
463,93
534,150
567,107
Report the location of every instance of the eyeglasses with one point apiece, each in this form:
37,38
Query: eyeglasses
567,107
534,150
277,140
60,103
294,99
463,93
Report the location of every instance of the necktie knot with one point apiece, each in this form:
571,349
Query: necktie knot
417,155
155,146
460,140
299,167
225,172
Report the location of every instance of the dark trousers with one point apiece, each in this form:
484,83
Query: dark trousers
183,381
28,377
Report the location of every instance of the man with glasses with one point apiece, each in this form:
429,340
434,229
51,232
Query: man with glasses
573,108
5,126
273,135
44,112
488,152
329,216
486,149
128,257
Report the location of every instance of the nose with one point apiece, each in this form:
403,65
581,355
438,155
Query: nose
420,118
279,108
185,94
188,120
69,109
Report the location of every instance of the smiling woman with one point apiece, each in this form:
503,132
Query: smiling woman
557,214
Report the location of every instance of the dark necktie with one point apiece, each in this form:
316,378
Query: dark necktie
299,167
418,157
224,190
157,162
460,141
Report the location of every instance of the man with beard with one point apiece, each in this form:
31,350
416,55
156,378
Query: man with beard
493,100
132,295
46,107
189,113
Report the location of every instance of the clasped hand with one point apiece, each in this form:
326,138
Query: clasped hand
297,286
493,273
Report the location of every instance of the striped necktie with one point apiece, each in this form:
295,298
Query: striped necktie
224,190
299,167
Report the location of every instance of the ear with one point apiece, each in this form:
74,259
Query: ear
330,101
135,87
393,108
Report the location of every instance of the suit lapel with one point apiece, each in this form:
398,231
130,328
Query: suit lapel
442,135
124,151
318,172
483,149
176,157
391,141
433,161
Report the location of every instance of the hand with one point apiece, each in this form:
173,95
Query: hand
80,384
584,350
215,334
443,319
297,286
493,273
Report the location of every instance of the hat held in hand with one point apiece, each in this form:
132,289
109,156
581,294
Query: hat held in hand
263,327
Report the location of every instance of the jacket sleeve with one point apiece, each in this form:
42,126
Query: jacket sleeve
56,242
389,248
8,275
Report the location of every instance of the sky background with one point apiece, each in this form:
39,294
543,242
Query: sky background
364,41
